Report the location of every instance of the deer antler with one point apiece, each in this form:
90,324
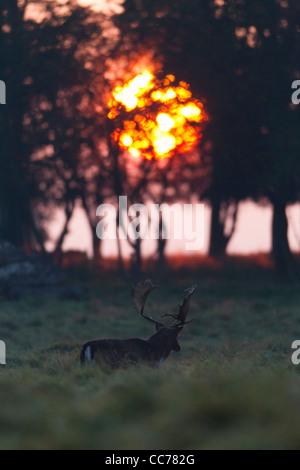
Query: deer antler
183,309
139,296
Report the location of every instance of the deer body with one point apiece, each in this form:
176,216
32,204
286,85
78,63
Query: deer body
117,353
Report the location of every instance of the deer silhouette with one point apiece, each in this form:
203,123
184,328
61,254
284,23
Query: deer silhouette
117,353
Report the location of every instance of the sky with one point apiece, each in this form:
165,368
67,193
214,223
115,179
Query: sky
108,6
252,235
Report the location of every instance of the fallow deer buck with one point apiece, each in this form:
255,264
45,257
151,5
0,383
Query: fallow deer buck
117,353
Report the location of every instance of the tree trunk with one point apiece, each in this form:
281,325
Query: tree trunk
136,262
122,268
283,257
218,239
15,217
69,210
96,248
161,243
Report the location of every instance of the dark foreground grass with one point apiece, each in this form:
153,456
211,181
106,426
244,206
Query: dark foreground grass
233,386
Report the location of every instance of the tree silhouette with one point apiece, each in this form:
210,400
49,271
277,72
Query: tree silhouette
242,57
50,130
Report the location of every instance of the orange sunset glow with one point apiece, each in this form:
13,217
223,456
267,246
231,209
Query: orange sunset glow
156,118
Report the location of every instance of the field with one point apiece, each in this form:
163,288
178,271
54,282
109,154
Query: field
233,386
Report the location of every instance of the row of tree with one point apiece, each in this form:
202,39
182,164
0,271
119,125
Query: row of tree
240,56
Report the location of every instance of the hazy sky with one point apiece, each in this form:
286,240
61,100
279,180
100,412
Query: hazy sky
36,11
253,232
103,5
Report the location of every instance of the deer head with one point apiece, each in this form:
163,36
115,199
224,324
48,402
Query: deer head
167,334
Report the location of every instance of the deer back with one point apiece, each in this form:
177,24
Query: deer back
117,353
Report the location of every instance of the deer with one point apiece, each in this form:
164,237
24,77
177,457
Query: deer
117,353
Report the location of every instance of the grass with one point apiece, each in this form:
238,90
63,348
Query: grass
233,386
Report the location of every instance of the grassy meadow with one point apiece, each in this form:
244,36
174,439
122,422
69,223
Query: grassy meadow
233,386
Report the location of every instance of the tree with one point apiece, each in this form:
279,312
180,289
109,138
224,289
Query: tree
242,57
272,37
14,198
51,131
199,45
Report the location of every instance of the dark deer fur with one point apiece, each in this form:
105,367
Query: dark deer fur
117,353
